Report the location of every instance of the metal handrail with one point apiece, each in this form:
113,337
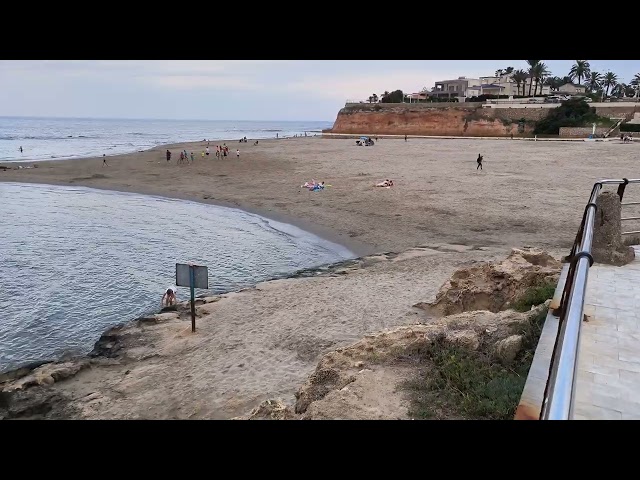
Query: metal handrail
560,388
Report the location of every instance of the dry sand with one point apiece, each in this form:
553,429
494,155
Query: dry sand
262,343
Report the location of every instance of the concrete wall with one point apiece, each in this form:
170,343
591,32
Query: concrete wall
581,132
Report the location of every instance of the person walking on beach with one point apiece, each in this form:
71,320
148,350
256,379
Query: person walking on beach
168,155
20,148
207,151
405,138
192,159
479,160
104,160
237,153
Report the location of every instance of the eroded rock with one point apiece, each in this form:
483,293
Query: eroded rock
336,377
46,375
608,247
270,410
494,286
508,348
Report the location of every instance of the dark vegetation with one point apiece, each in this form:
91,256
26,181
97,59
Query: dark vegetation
572,113
459,383
463,384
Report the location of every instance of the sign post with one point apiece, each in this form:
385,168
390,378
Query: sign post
192,276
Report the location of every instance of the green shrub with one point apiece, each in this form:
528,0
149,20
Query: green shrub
459,383
572,113
534,296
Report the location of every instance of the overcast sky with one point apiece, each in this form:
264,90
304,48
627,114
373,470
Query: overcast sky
231,89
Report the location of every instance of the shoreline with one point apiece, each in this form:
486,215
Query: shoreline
312,272
263,342
355,247
147,149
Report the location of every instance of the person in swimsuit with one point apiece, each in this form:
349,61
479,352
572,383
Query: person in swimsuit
169,298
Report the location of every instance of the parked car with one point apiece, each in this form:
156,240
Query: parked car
534,100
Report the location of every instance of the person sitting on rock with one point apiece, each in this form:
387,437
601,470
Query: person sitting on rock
169,298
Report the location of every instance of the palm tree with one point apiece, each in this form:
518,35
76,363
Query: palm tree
594,82
508,70
370,99
520,77
620,90
532,65
540,71
581,69
610,80
554,82
374,97
636,84
499,72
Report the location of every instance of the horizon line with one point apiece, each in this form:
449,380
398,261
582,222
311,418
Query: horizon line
155,119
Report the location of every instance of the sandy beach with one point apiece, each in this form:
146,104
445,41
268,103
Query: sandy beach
263,342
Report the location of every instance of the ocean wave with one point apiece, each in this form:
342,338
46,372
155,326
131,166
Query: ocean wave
41,137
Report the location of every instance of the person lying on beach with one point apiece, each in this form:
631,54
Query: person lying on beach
385,183
169,298
313,185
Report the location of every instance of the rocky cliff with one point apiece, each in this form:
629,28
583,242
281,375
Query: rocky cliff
450,119
469,119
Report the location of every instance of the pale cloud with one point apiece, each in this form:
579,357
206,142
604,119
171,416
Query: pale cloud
191,82
180,74
359,87
287,89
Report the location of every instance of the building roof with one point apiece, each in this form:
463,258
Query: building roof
457,80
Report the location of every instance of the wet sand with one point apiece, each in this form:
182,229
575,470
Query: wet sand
262,343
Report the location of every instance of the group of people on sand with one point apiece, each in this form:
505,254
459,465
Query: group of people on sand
221,150
184,157
626,138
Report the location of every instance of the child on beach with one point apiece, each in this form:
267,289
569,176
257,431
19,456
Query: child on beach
238,153
169,298
192,157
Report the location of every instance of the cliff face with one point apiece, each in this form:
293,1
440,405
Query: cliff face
448,119
460,120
